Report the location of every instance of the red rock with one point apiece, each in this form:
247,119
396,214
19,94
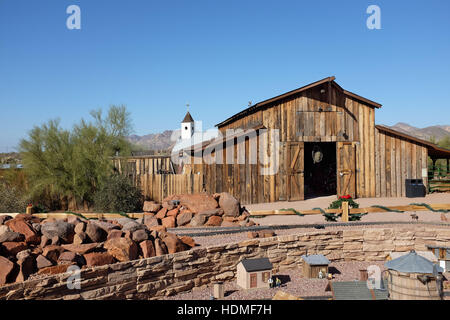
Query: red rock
80,227
24,227
27,217
43,262
61,268
52,252
188,241
98,259
13,248
26,265
160,247
114,234
168,205
229,204
44,241
4,218
173,243
151,206
80,238
195,202
158,229
173,212
6,270
169,222
123,249
148,249
95,233
161,213
68,256
150,221
184,217
214,221
81,248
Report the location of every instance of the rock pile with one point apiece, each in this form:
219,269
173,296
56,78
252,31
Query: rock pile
33,246
197,210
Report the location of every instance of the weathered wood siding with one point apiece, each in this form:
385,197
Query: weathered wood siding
397,159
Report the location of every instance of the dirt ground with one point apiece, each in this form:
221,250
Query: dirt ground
324,202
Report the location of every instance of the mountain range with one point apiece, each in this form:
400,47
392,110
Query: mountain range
162,141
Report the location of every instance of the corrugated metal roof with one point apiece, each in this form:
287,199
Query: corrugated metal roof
412,263
426,254
357,290
315,259
260,264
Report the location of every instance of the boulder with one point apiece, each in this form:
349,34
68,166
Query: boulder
114,234
151,206
4,218
6,235
27,217
184,218
139,235
68,257
213,212
52,252
130,224
13,248
98,259
158,229
161,213
61,268
148,249
42,262
150,221
169,205
81,248
188,241
80,238
6,270
198,220
160,247
213,221
23,227
80,227
123,249
229,205
60,229
95,233
44,241
195,202
169,222
75,220
55,241
106,226
26,265
173,213
173,243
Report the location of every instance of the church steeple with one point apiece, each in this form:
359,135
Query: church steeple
187,125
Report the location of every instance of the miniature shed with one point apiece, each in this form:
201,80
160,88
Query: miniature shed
413,277
442,254
254,273
313,264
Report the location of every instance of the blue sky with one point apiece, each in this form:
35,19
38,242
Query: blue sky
155,56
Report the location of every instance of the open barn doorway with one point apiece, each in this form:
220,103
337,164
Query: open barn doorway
320,169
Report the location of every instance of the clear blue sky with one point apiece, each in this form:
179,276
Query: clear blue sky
154,56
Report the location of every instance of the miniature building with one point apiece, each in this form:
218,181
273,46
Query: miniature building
356,290
254,273
413,277
313,264
442,254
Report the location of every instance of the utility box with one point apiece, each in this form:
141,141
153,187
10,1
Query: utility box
415,188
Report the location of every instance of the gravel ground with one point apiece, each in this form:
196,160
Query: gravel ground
293,282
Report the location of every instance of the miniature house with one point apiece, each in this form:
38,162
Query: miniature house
313,264
254,273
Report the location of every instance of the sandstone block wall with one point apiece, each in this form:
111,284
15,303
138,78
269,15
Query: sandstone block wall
156,277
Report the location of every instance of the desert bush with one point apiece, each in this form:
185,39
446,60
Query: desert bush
118,194
12,199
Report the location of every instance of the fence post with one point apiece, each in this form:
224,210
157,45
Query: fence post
344,211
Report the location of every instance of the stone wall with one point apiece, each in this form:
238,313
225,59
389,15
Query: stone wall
169,274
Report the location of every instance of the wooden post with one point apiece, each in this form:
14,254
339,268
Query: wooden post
344,211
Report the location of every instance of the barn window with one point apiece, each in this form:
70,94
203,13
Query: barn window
265,276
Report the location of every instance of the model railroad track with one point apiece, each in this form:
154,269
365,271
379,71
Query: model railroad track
213,231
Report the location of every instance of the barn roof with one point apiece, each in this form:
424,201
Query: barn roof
266,103
261,264
357,290
434,151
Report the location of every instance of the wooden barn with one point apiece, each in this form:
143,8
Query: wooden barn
328,144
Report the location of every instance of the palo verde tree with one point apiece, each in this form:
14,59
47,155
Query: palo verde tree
71,165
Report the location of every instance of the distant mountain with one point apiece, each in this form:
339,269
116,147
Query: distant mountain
154,141
438,132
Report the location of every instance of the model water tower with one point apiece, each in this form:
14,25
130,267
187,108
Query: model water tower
413,277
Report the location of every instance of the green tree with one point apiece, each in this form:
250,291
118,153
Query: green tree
72,165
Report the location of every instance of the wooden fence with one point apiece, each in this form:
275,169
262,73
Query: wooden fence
158,186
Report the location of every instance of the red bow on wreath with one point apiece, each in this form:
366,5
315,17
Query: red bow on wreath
345,197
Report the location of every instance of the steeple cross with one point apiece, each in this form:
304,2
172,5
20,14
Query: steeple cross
187,106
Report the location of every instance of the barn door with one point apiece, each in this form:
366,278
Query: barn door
295,171
346,169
